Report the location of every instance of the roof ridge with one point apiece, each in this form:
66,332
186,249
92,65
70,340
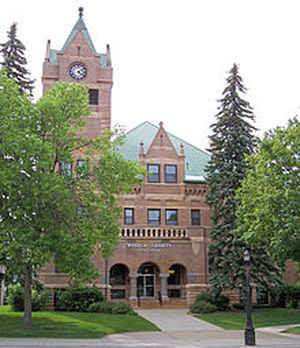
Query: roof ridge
186,142
139,125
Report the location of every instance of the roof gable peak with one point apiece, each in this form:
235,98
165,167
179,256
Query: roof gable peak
161,145
79,27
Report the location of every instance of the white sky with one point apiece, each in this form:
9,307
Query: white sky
171,57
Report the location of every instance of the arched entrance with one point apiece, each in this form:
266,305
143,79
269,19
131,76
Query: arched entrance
177,281
118,279
147,280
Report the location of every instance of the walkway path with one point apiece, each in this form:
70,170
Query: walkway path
176,320
178,331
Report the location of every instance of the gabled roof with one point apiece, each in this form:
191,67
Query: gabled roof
195,159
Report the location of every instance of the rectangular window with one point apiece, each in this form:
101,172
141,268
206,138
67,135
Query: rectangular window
82,211
93,96
153,173
154,217
82,168
171,217
170,173
65,169
128,216
195,217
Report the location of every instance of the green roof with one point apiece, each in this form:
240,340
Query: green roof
79,25
195,159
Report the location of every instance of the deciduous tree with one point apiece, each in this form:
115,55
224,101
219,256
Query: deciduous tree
270,194
50,205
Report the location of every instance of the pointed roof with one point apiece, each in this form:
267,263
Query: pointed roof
195,159
79,26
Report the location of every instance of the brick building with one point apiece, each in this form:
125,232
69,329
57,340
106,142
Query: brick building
164,238
162,255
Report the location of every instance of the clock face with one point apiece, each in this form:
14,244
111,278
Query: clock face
78,71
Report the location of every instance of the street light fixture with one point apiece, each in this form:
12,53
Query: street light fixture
249,330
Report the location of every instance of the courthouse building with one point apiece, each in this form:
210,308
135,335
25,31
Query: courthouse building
162,254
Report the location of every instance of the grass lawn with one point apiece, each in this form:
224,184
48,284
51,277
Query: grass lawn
294,330
261,318
70,324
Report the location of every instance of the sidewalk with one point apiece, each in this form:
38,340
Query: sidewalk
179,330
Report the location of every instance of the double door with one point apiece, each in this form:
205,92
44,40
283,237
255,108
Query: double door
146,286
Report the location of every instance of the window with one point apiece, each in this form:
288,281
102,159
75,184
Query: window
65,169
153,217
195,217
93,96
82,168
82,211
171,217
170,173
153,172
128,216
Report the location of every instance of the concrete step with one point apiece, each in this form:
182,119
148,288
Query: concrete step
152,304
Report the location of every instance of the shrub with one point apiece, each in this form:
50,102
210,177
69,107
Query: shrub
238,306
111,308
40,299
278,296
205,296
78,299
293,294
199,307
220,301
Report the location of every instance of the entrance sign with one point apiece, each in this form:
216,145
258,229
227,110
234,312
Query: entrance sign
148,245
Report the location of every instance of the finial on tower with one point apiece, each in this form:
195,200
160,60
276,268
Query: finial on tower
80,11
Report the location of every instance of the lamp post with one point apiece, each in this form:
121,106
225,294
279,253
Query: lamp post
249,330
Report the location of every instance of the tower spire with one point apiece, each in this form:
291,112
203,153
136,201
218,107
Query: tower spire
80,11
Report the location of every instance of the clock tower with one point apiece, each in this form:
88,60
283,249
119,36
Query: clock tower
79,62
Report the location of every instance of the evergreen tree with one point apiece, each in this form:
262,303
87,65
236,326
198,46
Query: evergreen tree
231,140
14,61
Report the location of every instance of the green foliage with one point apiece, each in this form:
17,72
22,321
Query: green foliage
40,207
269,212
278,295
40,299
78,299
199,307
205,296
14,61
293,294
231,141
111,308
220,301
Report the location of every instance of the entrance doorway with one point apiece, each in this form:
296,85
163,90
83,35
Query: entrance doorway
146,281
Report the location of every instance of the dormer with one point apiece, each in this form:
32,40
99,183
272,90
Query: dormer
163,163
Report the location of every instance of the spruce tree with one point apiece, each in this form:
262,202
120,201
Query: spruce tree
231,140
14,61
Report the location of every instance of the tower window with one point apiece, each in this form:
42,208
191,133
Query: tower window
93,96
